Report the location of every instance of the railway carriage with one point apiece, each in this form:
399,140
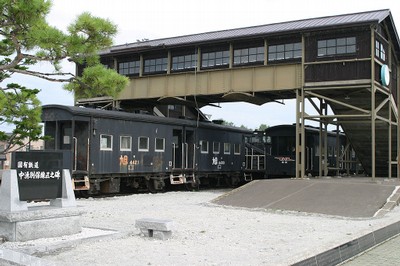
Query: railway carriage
109,151
272,153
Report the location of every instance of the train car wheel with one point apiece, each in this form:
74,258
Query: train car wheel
193,186
81,194
155,186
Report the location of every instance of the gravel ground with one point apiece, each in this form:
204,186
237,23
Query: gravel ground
207,234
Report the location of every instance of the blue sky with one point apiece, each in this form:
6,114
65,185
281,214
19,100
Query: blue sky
153,19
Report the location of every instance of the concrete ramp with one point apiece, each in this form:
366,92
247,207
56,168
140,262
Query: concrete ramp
356,198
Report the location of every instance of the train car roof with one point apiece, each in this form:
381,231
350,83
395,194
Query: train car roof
307,128
54,112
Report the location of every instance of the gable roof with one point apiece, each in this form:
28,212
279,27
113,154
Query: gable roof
363,18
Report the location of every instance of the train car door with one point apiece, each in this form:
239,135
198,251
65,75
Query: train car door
183,149
81,146
177,160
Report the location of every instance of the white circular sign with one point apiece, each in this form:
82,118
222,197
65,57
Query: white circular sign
385,75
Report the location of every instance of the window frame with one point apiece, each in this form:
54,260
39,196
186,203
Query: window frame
210,59
227,151
188,61
332,46
216,144
163,144
147,141
380,51
286,51
120,143
129,70
150,63
107,148
237,151
241,54
204,143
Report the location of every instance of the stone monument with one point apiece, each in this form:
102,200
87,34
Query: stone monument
30,181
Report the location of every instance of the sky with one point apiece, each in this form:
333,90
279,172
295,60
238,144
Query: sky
154,19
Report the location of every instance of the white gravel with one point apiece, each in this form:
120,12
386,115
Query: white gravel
207,234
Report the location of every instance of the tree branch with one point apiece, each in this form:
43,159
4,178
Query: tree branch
46,76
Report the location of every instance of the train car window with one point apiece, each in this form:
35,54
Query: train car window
203,146
236,149
106,142
125,143
143,143
216,147
160,145
227,148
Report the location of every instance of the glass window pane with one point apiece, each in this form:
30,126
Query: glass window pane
272,57
351,40
272,49
143,144
341,49
331,50
297,46
341,42
160,145
106,142
288,54
351,49
204,146
288,46
125,143
215,147
322,44
331,42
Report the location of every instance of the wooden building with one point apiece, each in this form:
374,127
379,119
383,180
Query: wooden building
347,62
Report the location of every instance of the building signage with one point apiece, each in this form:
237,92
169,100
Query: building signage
39,174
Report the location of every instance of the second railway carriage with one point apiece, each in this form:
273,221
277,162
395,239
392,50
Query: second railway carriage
108,151
272,152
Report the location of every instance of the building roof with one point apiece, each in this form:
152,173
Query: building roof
353,19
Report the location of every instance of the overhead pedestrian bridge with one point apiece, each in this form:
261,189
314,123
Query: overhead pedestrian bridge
342,70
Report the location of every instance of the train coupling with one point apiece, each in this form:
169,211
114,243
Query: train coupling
81,184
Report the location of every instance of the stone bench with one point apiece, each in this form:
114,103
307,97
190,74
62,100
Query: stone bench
156,228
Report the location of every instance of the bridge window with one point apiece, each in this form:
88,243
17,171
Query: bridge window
380,50
215,59
248,55
156,65
184,62
143,144
106,142
284,51
160,145
129,68
337,46
125,143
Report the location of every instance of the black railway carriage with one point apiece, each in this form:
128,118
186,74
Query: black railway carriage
108,151
279,143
